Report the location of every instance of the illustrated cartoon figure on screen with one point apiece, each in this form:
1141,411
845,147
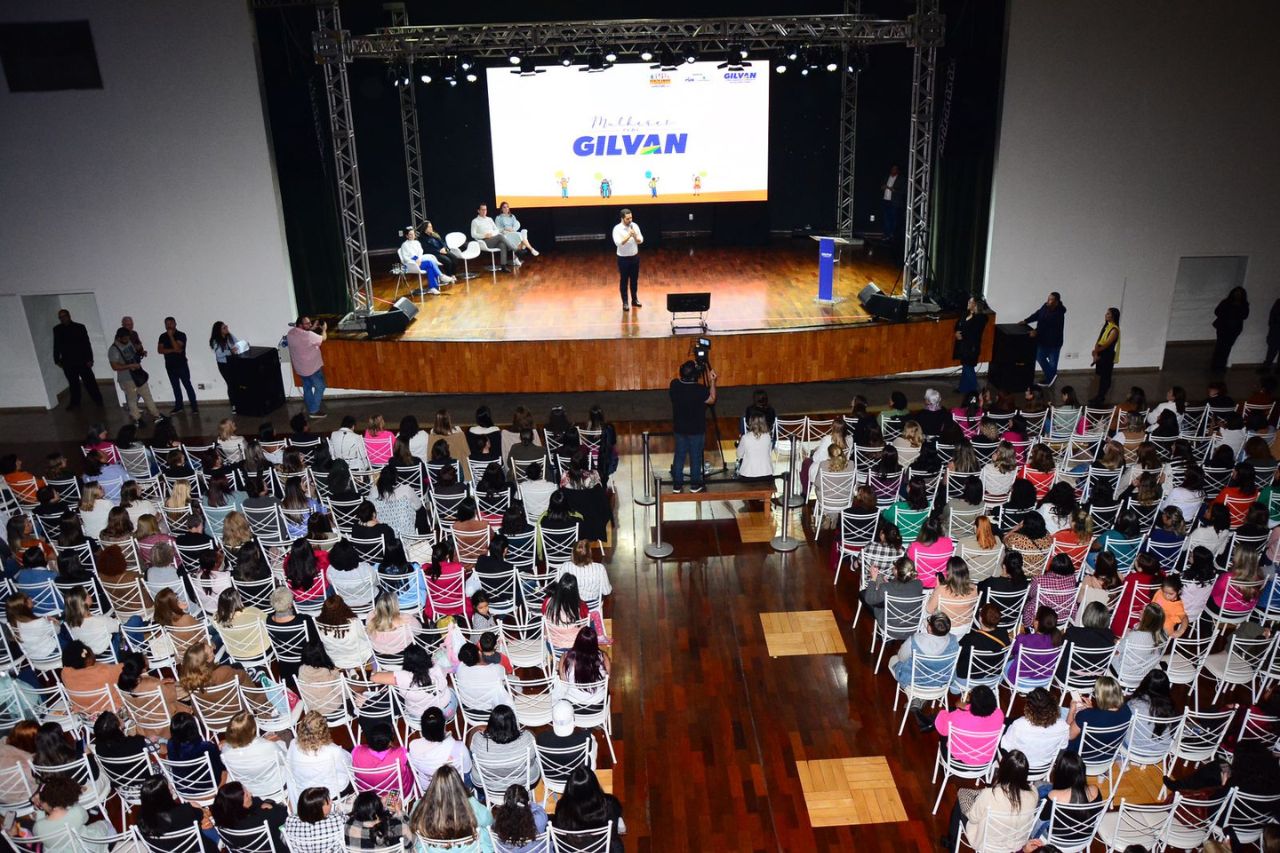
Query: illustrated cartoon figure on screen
563,180
653,184
606,188
697,184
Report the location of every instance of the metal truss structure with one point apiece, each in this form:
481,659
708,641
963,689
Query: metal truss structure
409,129
846,33
355,246
928,33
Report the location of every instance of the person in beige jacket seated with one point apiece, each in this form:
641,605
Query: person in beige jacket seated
1009,800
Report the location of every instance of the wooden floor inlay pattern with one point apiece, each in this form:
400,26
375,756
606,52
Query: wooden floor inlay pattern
845,791
802,632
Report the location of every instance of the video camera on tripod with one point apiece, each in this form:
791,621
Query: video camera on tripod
700,349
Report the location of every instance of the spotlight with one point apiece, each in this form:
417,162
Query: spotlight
514,57
453,81
832,65
466,63
780,68
804,71
471,77
690,55
610,56
595,60
735,58
742,51
792,54
857,62
666,61
646,55
566,57
527,68
426,76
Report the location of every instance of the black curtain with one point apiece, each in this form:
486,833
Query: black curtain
965,162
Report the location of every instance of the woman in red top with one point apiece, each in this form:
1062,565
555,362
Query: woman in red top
1039,470
1139,586
305,569
1243,491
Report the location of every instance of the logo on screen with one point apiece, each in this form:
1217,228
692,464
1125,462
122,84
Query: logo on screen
697,77
659,79
630,144
739,76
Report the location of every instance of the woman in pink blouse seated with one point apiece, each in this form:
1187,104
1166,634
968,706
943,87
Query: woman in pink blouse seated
930,551
1236,591
381,765
979,723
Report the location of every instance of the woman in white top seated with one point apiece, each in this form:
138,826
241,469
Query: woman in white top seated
435,749
247,756
343,635
421,683
998,475
1041,732
481,685
356,581
582,671
230,446
315,761
593,577
755,450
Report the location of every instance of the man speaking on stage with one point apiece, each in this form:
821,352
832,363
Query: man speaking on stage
627,237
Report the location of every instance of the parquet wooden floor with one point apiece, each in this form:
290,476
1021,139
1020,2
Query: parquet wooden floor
844,791
809,632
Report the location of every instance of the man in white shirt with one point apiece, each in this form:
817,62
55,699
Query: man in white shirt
346,444
894,200
484,229
413,258
627,237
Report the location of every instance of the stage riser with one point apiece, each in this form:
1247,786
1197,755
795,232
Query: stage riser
764,358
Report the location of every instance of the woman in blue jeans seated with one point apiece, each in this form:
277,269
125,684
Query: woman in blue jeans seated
935,640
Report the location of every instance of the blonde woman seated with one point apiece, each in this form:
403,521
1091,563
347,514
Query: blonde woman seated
315,761
343,635
245,753
998,475
956,596
97,631
836,462
909,443
94,509
1145,637
391,631
231,447
234,620
592,577
147,534
755,450
206,680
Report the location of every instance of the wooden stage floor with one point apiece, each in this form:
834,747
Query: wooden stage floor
571,293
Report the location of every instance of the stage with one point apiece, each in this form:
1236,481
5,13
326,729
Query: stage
556,324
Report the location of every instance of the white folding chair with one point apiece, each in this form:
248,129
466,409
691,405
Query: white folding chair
1099,746
1246,816
1084,665
857,531
126,776
1036,668
558,765
188,840
1192,820
1141,825
929,681
902,617
1199,737
964,767
1240,664
258,839
592,708
1072,826
583,840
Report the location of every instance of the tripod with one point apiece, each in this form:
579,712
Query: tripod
707,468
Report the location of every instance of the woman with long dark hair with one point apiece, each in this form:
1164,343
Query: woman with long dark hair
236,809
160,814
564,612
447,812
584,805
518,820
1010,796
223,344
372,826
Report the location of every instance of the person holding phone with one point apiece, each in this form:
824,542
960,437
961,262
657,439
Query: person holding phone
304,351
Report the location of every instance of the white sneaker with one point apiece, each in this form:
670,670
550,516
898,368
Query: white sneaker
534,252
515,262
449,279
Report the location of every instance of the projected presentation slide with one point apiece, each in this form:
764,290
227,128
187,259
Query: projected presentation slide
630,135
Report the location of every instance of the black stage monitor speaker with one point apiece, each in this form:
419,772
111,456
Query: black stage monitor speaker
391,322
1013,358
254,377
880,306
688,303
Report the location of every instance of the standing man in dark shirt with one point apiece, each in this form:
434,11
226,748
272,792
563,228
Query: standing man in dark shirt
73,352
1048,319
173,346
689,401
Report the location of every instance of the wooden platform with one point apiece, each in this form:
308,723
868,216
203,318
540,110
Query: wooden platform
556,325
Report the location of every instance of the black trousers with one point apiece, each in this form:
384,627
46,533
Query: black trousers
1272,351
179,378
1222,349
1105,364
446,263
628,271
81,373
226,377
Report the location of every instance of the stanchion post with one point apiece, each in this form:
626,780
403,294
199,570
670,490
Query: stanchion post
793,501
657,549
783,541
647,498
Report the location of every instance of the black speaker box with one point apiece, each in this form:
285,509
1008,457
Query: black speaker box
392,322
1013,358
882,307
256,386
688,303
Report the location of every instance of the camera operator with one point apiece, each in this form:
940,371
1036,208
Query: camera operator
689,399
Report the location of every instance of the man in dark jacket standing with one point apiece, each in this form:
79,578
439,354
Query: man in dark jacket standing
74,354
1048,320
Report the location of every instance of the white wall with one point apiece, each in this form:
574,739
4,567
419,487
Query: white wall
155,194
39,308
1133,134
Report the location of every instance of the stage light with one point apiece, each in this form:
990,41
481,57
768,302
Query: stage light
792,54
610,56
666,61
857,62
453,81
735,58
742,51
690,54
804,71
514,57
781,68
595,60
832,65
426,74
646,55
471,77
527,68
566,57
466,63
